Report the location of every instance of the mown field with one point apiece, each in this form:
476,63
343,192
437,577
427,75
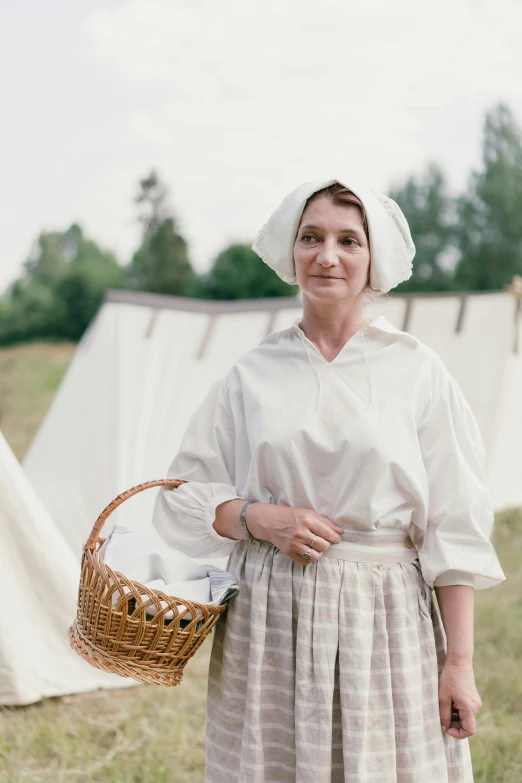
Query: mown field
154,735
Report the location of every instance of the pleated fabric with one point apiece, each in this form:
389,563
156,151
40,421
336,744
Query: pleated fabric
328,673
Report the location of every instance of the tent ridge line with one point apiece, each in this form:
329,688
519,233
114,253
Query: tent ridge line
191,304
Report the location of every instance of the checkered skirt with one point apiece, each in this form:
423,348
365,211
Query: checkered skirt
328,673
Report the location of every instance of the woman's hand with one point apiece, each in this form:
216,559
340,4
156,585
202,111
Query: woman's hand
292,529
457,685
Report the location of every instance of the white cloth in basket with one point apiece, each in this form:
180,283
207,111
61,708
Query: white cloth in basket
143,558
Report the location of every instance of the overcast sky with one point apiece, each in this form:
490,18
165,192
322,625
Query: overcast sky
235,103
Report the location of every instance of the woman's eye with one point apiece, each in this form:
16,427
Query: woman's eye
348,241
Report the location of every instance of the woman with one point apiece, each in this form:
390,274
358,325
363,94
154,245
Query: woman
341,468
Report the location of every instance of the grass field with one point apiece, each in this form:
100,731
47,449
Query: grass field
156,735
29,377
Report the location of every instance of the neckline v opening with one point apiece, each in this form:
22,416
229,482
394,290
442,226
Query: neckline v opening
349,342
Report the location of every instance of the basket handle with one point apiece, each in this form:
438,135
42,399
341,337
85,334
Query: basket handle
113,505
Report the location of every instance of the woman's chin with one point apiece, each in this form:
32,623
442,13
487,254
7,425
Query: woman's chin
333,289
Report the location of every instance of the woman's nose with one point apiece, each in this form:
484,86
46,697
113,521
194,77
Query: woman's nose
327,253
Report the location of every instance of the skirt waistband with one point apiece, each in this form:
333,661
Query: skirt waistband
375,546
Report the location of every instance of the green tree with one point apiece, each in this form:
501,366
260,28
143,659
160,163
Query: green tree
239,273
161,264
152,196
48,259
430,212
29,312
80,290
63,285
490,228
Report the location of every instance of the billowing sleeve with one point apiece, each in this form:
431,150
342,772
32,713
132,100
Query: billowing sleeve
205,459
456,547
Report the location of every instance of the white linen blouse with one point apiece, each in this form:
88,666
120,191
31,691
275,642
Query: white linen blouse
380,437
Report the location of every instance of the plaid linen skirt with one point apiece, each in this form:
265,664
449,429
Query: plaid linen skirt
328,673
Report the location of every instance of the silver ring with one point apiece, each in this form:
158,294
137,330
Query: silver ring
306,555
313,539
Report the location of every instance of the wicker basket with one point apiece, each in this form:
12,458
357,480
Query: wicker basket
122,639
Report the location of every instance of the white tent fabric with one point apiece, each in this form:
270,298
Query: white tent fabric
477,353
505,473
147,361
38,585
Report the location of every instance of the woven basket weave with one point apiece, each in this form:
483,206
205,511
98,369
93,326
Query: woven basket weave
121,639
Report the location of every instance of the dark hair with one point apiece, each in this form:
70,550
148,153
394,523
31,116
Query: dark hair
341,195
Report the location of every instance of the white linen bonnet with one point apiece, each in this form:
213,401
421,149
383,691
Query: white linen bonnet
391,246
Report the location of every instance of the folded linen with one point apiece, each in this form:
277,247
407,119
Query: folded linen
143,558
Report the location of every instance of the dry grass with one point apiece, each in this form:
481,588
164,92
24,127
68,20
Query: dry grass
29,377
145,734
156,735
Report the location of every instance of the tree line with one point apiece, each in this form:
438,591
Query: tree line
471,241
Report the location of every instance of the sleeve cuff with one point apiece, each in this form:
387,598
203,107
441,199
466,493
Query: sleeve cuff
454,577
209,513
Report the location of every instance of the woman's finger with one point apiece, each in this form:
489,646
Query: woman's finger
463,724
319,543
445,711
330,524
323,531
314,555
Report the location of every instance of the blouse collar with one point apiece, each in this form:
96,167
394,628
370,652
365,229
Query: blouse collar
379,323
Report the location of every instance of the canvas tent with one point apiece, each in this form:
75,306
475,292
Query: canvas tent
38,585
147,360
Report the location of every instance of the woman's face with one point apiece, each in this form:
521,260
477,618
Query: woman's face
331,252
